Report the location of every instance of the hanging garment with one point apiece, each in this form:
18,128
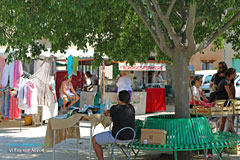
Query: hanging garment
29,93
33,109
26,86
20,95
8,104
2,64
14,111
69,66
75,66
18,71
8,75
2,102
40,80
5,103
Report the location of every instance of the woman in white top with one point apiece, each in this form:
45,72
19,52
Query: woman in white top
67,92
124,83
197,94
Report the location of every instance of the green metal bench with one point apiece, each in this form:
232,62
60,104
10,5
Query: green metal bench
185,135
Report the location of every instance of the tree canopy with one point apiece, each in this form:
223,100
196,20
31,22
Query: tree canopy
111,26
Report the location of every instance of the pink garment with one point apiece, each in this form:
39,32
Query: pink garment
207,105
29,93
14,111
18,71
2,64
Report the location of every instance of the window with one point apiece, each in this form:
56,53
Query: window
206,65
207,79
203,66
238,83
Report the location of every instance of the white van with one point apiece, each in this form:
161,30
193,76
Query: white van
237,86
206,78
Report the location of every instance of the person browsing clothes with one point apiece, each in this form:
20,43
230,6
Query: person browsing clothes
67,92
122,115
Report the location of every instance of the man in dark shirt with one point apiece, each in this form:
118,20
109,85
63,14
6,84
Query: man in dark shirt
220,75
122,115
221,92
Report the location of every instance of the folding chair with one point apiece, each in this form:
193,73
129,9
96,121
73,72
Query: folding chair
123,144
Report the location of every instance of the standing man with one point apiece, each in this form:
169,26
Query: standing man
93,80
157,78
122,115
220,75
125,83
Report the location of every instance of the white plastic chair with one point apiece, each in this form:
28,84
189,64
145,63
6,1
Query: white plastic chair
126,142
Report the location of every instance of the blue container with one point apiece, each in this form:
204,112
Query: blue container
102,108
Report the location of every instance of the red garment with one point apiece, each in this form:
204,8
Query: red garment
156,99
14,111
76,80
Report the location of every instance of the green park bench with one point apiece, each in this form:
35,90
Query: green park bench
187,134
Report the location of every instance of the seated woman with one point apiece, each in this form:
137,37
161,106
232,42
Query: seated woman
223,92
197,82
67,92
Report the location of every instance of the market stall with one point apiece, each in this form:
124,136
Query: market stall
21,92
155,98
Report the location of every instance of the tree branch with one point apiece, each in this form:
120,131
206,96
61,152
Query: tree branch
160,42
166,23
191,26
142,8
146,21
178,15
184,21
198,19
157,24
157,8
216,33
170,8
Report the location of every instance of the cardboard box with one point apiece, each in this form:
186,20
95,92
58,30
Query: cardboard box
153,136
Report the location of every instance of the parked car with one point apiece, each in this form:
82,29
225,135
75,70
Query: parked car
237,86
206,78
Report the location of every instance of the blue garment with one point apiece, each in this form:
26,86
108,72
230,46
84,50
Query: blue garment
4,106
8,104
2,103
69,66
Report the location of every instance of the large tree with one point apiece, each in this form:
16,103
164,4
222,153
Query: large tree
123,30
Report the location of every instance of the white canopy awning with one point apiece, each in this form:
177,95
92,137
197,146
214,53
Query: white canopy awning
59,55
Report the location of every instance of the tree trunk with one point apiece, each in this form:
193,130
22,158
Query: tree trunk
181,93
181,85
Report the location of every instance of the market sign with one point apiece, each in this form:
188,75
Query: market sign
143,67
